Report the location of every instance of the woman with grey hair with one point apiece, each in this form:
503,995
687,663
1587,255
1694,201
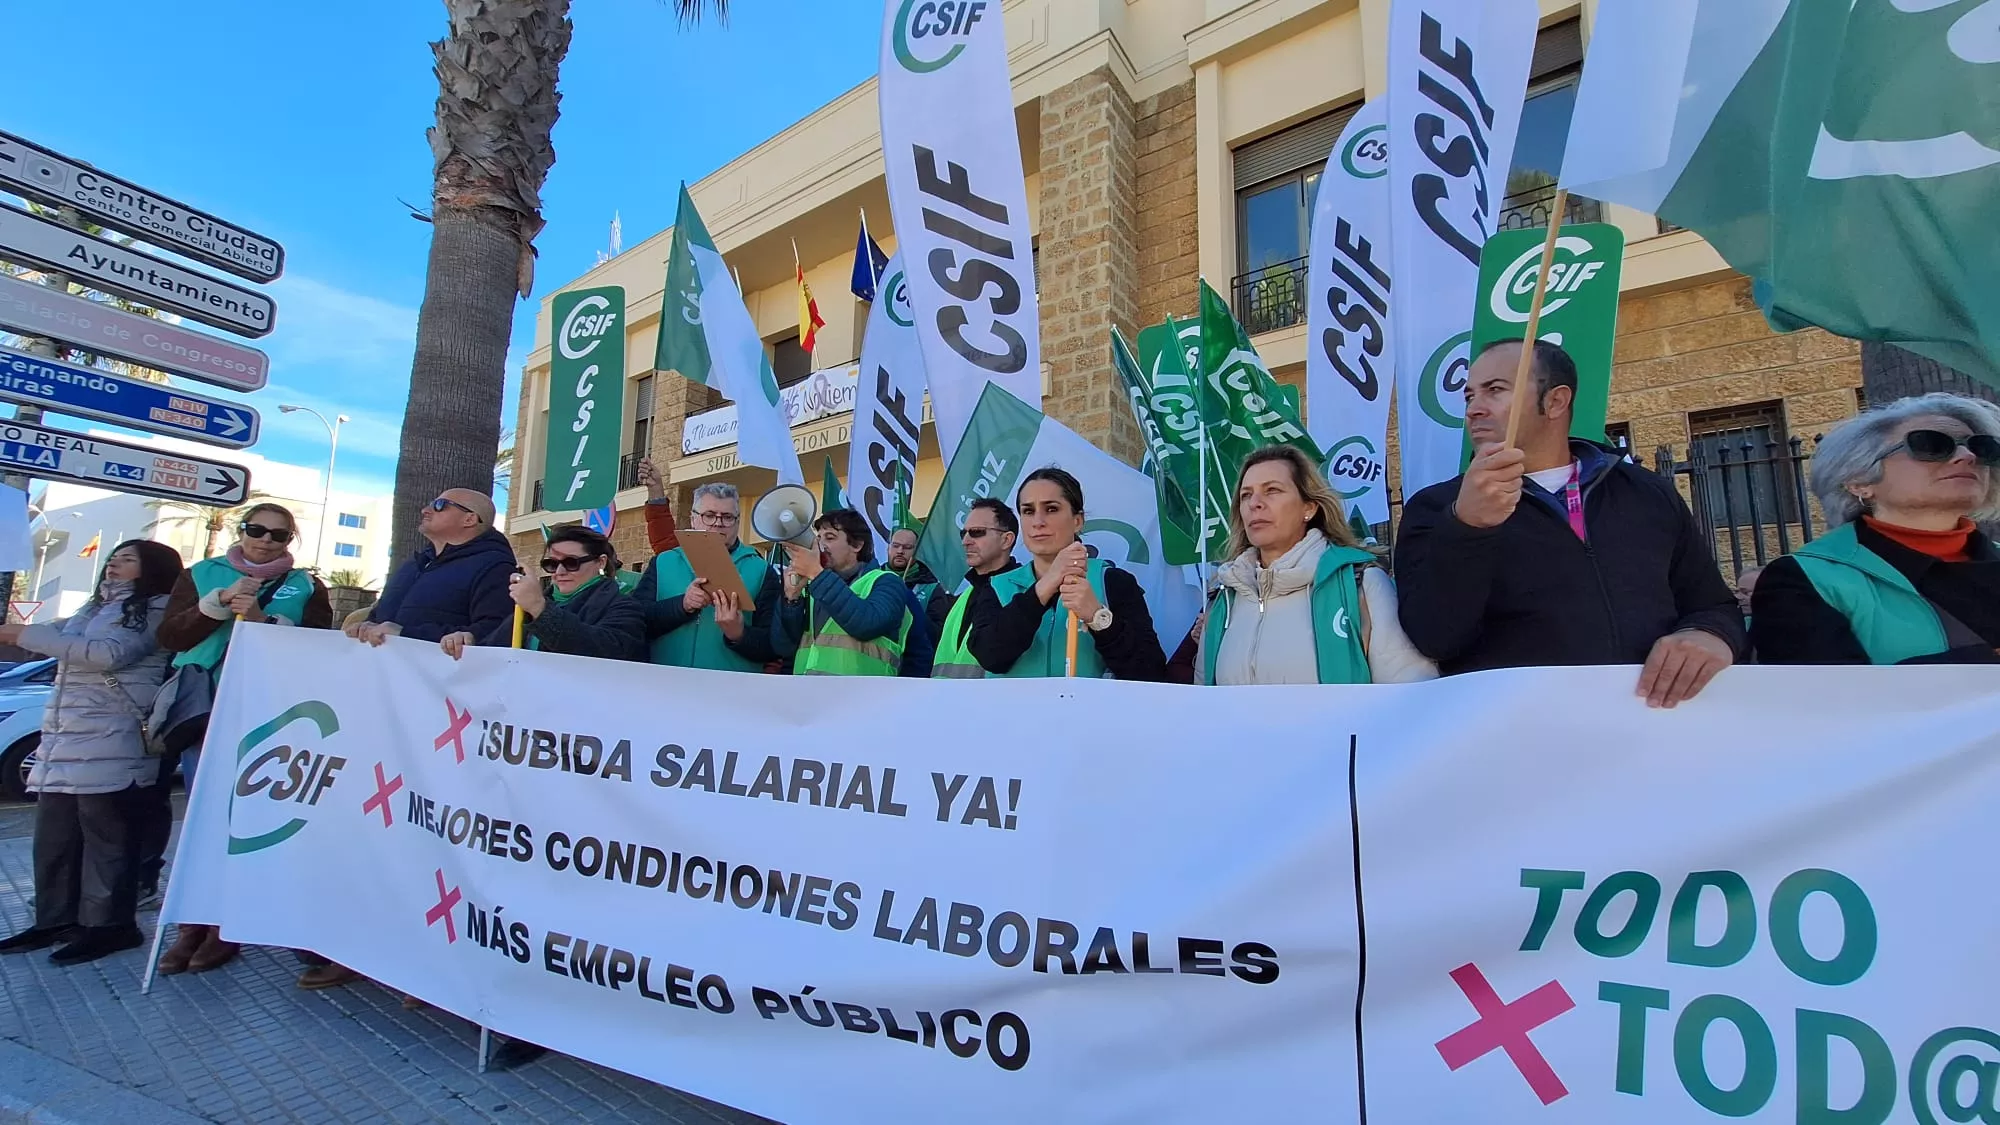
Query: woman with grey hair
1905,576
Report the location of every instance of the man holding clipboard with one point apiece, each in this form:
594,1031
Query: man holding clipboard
709,602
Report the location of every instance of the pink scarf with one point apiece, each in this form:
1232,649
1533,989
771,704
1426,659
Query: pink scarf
262,572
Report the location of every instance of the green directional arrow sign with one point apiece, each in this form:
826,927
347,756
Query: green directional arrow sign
1580,311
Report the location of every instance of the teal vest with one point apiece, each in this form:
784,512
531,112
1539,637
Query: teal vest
210,575
1048,657
1889,617
699,643
830,650
954,661
1336,599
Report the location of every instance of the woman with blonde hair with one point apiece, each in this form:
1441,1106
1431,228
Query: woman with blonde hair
1300,602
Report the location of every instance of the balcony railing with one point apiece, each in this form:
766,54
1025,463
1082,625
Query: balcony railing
1271,297
1529,210
628,470
535,499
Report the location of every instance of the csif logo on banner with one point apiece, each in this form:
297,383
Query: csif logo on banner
1366,154
586,397
1515,291
931,34
279,783
1457,141
587,324
1354,467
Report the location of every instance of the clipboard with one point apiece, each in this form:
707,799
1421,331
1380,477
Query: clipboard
708,556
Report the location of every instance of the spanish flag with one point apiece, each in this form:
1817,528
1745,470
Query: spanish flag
810,322
90,550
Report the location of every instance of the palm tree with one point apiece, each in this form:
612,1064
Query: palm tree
497,105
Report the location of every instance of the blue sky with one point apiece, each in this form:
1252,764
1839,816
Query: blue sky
306,123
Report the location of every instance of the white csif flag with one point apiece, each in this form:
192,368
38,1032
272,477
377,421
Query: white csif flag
1458,73
960,203
888,406
1350,358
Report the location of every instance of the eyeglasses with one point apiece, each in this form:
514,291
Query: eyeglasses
976,532
259,531
723,518
440,504
567,565
1936,445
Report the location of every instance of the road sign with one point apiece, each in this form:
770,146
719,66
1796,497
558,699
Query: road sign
25,611
602,520
32,240
55,455
105,397
37,310
31,170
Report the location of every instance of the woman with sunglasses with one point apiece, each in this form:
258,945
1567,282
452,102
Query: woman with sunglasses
255,580
581,611
1019,620
1906,575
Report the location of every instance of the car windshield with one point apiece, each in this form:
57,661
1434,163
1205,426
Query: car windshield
32,673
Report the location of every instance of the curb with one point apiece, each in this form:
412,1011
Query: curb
37,1089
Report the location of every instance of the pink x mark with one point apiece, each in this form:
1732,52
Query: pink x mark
1505,1027
455,733
447,900
384,789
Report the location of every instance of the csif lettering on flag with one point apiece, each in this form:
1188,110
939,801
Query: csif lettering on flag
1458,73
1350,360
888,407
1167,461
707,337
1243,408
1170,359
586,397
960,203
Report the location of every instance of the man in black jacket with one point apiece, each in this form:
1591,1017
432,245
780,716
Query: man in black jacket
456,581
1603,563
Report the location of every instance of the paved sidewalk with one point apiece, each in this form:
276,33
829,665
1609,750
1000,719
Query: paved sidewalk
243,1044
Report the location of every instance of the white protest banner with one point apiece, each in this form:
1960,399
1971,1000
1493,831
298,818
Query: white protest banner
742,900
1458,73
1350,364
1538,900
888,407
960,203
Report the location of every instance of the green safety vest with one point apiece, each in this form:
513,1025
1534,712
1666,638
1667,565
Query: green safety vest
1889,617
700,643
954,661
210,575
830,651
628,580
1336,597
1048,657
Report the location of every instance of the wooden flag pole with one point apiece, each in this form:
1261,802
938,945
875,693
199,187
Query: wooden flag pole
1522,369
520,621
1072,643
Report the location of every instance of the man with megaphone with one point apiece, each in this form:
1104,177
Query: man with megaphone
843,614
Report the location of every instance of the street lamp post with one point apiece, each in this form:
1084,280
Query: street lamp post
326,491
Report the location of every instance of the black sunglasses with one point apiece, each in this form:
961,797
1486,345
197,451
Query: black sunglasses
551,565
976,532
1936,445
259,531
440,504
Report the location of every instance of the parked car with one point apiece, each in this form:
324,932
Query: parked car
24,691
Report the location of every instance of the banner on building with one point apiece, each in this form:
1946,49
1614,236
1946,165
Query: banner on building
1458,73
960,203
586,397
707,337
1761,906
888,407
1579,311
823,394
1350,358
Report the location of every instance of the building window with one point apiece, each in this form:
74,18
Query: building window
1743,464
349,519
347,550
790,362
642,432
1538,148
1619,436
1277,183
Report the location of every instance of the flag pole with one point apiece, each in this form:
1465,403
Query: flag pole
520,620
1071,643
1522,369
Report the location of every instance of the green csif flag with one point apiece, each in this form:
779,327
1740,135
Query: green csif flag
1171,463
1243,407
830,496
1845,155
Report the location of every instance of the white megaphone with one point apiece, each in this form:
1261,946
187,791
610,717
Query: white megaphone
785,515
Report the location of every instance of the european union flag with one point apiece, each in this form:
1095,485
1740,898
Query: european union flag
869,262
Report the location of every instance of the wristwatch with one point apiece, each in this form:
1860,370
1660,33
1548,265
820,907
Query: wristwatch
1101,620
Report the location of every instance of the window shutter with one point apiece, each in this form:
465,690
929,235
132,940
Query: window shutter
1305,145
642,398
1557,49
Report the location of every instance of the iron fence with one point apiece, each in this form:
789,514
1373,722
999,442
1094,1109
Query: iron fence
1530,210
1750,496
628,470
1270,297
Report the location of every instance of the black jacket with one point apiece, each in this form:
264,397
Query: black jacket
664,616
603,621
460,589
943,600
1792,624
1529,593
1000,635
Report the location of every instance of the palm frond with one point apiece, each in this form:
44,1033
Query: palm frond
690,11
